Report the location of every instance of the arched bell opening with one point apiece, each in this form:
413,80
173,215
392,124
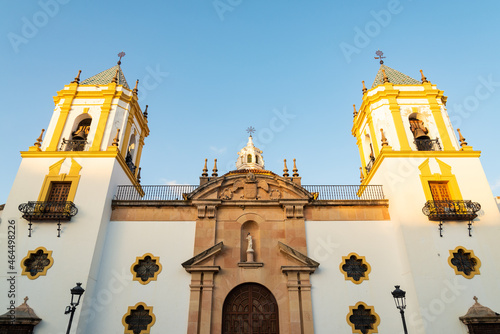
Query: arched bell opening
420,133
79,134
250,308
129,158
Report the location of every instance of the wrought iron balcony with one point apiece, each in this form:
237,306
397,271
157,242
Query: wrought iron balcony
428,144
60,211
73,145
451,210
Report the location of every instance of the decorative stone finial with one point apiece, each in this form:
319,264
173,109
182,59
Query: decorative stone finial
384,140
462,139
116,140
39,139
475,299
386,79
285,170
139,175
145,113
77,78
364,87
115,78
355,113
295,170
205,170
214,174
361,176
424,79
135,90
26,300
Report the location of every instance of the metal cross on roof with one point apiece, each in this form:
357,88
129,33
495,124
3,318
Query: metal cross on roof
250,130
121,55
380,56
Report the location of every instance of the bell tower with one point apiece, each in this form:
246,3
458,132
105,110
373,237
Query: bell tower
60,202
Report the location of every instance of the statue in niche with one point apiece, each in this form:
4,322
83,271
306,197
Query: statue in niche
250,251
250,242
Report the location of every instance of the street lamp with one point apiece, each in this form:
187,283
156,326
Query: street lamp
400,300
76,294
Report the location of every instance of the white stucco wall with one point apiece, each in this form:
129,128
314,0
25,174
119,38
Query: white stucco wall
115,290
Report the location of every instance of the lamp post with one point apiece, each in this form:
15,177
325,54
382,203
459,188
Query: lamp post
76,294
400,300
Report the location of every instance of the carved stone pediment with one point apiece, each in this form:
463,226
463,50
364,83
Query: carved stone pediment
250,187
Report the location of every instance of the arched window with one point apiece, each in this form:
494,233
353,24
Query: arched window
250,308
249,158
256,159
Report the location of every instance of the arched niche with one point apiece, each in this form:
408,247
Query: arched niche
253,228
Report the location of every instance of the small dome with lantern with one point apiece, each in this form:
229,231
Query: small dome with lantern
250,157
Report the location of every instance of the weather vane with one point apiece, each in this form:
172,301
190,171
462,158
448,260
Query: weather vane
121,55
250,130
380,56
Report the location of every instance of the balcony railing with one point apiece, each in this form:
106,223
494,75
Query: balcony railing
73,145
60,211
451,210
346,192
428,144
175,192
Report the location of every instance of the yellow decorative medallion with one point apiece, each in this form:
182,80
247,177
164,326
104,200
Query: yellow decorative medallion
36,263
464,262
138,319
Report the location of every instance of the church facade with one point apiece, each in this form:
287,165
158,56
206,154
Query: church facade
253,250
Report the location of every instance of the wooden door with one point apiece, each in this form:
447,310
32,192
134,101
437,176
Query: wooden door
250,308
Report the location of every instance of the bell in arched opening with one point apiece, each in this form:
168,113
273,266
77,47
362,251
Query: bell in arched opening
82,130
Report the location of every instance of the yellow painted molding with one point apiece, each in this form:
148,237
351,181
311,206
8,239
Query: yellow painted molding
68,154
363,261
417,154
86,154
149,309
54,176
473,259
136,277
446,176
25,270
34,149
372,311
126,137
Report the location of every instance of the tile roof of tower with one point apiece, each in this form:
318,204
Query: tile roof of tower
105,77
395,77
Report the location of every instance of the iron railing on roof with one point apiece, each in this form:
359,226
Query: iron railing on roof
346,192
324,192
153,193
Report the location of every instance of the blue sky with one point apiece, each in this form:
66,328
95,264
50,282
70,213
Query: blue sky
209,69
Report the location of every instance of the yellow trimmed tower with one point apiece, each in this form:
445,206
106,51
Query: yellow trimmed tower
60,202
439,197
